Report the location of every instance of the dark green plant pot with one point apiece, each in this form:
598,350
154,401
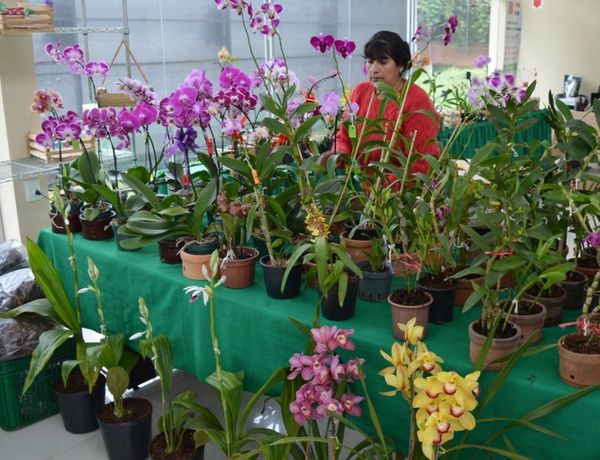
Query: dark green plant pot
204,247
374,286
442,307
274,276
78,409
330,305
127,440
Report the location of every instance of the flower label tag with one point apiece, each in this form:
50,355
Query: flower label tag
352,132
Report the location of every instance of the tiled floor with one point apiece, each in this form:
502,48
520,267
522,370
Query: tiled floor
48,439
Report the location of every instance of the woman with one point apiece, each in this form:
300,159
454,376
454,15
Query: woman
387,59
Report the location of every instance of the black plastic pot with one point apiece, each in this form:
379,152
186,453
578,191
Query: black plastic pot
575,290
78,409
330,305
442,308
157,449
260,245
168,250
274,276
128,440
204,247
374,286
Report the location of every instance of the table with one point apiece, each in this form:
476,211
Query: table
256,335
476,135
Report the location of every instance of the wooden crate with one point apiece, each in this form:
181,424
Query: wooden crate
51,155
39,19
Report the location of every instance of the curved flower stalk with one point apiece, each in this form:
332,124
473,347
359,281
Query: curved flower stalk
439,404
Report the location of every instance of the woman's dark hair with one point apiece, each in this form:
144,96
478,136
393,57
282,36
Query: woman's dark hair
388,44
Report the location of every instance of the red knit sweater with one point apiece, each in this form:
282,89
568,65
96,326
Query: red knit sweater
426,128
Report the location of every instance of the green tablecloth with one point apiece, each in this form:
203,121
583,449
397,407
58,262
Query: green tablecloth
476,135
256,335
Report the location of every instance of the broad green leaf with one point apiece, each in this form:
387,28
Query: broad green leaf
50,282
48,342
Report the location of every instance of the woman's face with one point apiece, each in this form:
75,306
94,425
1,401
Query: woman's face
385,70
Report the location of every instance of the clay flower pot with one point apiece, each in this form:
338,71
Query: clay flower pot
577,369
194,256
357,249
530,318
554,305
239,273
402,313
464,289
500,346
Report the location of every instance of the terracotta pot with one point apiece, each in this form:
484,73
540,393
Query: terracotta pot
405,264
500,346
99,228
192,265
58,225
575,291
554,305
239,273
357,249
530,324
168,250
577,369
590,272
404,313
464,289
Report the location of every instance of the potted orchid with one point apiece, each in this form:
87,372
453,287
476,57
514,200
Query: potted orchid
237,261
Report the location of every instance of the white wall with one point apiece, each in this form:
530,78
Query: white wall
559,39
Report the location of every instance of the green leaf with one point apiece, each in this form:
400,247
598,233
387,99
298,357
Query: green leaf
140,187
275,127
298,252
206,198
48,342
40,307
503,375
304,128
271,106
50,282
117,381
493,450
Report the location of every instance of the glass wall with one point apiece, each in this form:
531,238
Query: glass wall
170,38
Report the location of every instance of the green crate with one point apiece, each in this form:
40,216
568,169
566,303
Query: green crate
39,402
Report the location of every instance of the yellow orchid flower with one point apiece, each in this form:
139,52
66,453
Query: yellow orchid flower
426,361
461,389
435,431
400,356
412,333
398,380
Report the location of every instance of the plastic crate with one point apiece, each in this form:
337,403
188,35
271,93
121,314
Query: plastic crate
39,402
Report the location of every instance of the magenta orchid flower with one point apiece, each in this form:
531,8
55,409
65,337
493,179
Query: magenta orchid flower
449,30
322,43
418,34
344,47
96,68
593,239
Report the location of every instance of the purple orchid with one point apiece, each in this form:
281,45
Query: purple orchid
322,43
233,77
418,34
236,5
593,239
145,113
449,30
481,61
197,80
136,90
330,104
344,47
96,68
